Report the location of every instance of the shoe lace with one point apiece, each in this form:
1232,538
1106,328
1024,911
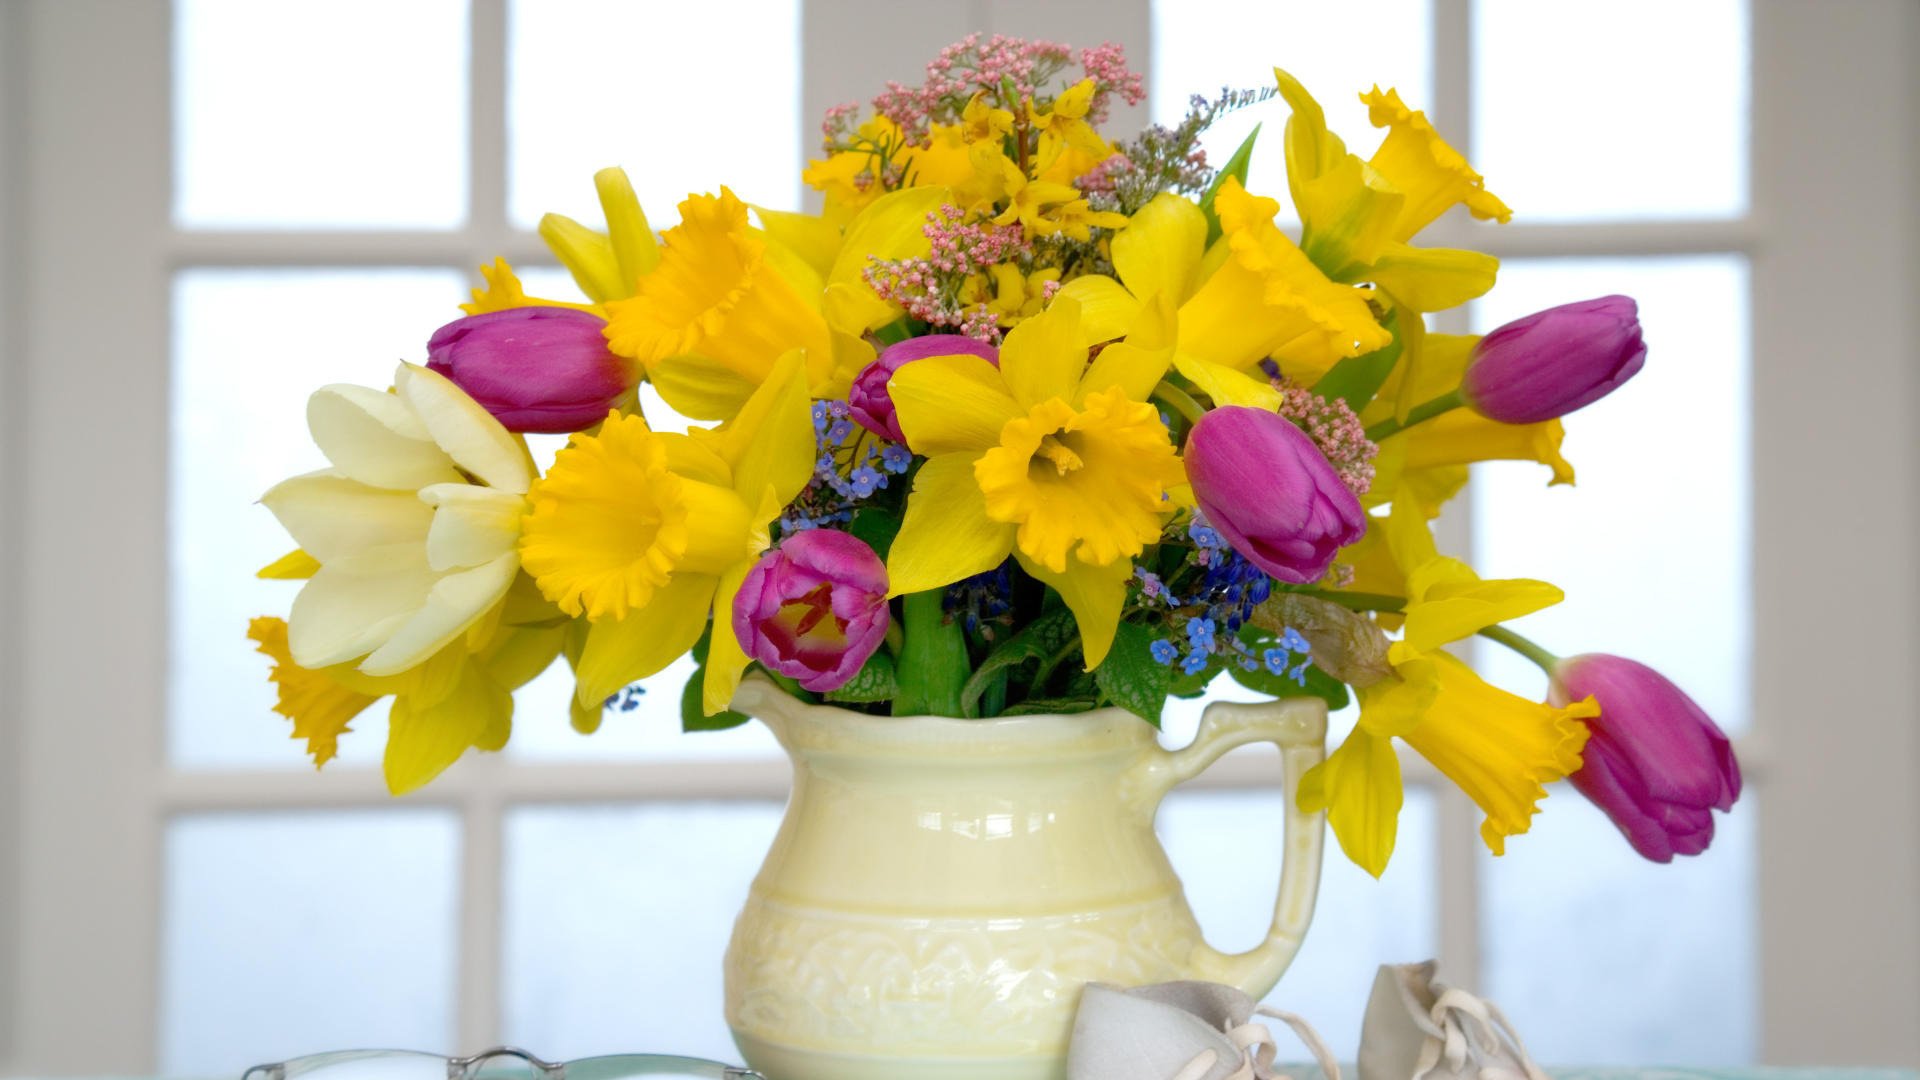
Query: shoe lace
1257,1049
1473,1027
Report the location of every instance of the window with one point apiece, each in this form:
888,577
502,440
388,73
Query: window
198,900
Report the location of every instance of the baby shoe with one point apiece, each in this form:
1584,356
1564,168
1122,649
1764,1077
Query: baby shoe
1179,1031
1420,1029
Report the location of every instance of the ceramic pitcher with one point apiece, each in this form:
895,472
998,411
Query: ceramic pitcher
940,889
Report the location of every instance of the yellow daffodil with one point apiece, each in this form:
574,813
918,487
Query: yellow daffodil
1498,747
1057,461
1013,296
1256,296
1046,208
646,533
709,322
1358,216
459,698
503,291
981,122
607,266
852,178
1068,144
414,527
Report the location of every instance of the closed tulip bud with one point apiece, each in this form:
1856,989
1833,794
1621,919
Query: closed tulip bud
536,369
869,400
1552,362
1655,761
1270,492
814,608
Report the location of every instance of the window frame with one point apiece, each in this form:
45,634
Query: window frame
86,90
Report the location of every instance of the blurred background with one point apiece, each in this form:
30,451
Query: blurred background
210,208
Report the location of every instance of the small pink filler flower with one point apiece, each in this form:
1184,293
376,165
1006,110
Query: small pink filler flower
814,608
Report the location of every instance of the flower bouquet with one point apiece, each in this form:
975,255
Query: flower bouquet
1026,421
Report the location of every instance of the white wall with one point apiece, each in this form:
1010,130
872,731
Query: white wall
11,374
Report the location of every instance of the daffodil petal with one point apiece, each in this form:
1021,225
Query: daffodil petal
375,439
1433,279
355,602
889,228
450,606
1137,364
948,404
1225,385
1106,309
1044,357
423,738
810,236
1158,253
946,535
588,255
635,251
470,434
693,459
1454,611
329,515
471,524
770,443
623,651
726,659
1359,788
699,388
1095,595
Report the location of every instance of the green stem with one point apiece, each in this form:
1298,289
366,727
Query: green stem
1523,646
932,665
1356,601
1181,401
1420,413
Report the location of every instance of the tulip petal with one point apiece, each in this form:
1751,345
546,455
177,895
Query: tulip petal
1106,308
1043,357
698,388
1095,595
355,602
376,439
468,433
946,535
623,651
450,606
329,515
1359,788
1158,253
471,524
951,404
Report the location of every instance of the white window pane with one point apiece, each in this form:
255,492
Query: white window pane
1227,848
1600,956
1653,547
288,934
249,347
616,921
351,113
1632,109
686,97
1337,49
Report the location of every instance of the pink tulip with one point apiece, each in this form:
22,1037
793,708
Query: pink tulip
871,404
814,608
1552,362
543,369
1267,489
1655,762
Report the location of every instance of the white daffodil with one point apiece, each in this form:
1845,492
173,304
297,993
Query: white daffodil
415,527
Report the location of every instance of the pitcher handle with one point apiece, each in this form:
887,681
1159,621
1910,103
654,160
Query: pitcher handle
1298,726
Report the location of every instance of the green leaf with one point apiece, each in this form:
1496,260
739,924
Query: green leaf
1131,678
1042,638
873,682
692,718
1191,686
876,526
1357,378
1319,684
1044,706
894,332
1235,167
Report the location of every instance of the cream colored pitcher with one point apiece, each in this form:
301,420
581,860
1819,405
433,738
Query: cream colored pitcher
941,889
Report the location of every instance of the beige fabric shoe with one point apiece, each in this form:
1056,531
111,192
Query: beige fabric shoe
1179,1031
1419,1029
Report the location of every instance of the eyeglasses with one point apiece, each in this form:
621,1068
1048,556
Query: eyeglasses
499,1063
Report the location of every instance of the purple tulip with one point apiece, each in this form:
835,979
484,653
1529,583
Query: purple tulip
1655,761
814,608
543,369
1266,488
1552,362
871,404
